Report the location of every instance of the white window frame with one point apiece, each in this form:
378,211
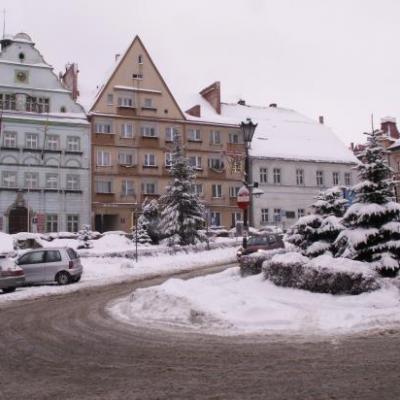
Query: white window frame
277,215
126,101
31,140
100,184
197,188
126,158
233,191
31,180
148,131
147,185
215,137
194,135
73,182
72,221
264,215
277,174
103,158
335,178
234,138
195,162
300,177
168,159
127,130
53,142
216,164
319,176
104,128
73,143
171,133
127,188
347,178
110,99
9,179
215,216
300,212
10,139
51,223
263,175
148,103
150,160
52,181
216,191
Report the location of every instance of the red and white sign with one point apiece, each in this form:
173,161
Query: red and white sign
243,197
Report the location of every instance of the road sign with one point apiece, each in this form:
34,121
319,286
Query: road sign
243,197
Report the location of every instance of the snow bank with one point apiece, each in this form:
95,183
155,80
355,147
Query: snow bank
6,243
227,304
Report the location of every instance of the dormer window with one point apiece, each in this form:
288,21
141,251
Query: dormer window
63,109
21,57
140,59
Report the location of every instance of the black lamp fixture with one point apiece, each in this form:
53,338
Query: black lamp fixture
248,128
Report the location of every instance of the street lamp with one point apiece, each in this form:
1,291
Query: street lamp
248,128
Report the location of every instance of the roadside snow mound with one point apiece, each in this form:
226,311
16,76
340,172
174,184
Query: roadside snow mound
6,243
226,304
323,274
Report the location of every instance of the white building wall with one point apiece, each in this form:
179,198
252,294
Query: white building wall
287,195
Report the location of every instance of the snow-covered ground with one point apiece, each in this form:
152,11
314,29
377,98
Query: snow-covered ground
227,304
100,271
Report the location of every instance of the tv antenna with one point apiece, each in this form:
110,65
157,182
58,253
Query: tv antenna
4,23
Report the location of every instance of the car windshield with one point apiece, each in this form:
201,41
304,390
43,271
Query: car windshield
257,241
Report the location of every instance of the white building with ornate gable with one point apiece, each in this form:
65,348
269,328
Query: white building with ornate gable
45,144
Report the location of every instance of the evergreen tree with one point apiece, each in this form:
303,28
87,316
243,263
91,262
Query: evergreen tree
182,212
84,237
150,219
142,235
372,231
316,233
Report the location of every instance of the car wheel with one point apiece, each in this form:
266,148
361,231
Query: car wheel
63,278
9,290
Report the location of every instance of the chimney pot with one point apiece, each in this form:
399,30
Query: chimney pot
273,105
321,119
242,102
117,56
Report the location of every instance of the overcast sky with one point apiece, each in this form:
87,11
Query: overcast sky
337,58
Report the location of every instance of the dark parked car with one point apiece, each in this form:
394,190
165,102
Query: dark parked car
268,241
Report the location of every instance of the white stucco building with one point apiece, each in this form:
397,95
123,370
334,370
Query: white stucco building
45,145
292,158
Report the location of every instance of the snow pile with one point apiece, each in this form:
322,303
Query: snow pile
6,243
323,274
227,304
112,241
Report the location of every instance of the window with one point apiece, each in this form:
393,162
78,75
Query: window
215,163
149,188
263,175
300,212
126,130
34,257
52,142
194,135
31,180
233,191
234,138
127,188
216,190
148,103
7,101
320,178
51,223
299,177
195,162
110,99
148,131
125,101
73,182
137,76
102,127
53,255
264,215
73,223
125,158
37,104
215,218
170,134
236,217
277,215
51,181
140,59
335,178
73,143
277,176
10,139
149,160
347,178
103,186
215,137
9,179
168,159
103,158
197,189
31,141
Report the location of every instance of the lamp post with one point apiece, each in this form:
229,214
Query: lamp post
248,128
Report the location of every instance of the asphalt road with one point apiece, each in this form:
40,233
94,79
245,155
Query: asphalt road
67,347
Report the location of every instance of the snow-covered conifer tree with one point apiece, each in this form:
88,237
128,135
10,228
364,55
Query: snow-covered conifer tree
182,212
315,234
142,235
372,231
150,219
84,237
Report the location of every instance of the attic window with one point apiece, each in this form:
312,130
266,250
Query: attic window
140,59
21,56
63,109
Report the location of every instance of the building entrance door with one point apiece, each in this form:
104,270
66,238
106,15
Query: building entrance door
18,220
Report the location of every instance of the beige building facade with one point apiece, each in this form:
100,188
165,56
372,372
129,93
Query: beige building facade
134,119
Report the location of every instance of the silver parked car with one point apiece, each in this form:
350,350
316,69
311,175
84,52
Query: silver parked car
11,276
54,264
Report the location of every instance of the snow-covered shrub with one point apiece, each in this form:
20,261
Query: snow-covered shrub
323,274
182,212
150,219
372,224
315,234
250,264
141,236
127,264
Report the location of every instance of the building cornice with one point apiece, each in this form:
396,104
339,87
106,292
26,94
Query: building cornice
32,89
309,160
22,65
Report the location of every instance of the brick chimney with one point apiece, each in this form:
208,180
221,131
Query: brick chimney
389,126
70,79
212,94
321,119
